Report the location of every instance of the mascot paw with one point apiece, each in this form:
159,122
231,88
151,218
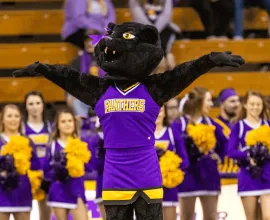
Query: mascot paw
27,71
222,59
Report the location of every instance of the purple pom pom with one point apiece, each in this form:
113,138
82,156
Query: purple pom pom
59,166
160,152
9,178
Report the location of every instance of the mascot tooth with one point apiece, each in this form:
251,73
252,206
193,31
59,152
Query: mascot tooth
127,101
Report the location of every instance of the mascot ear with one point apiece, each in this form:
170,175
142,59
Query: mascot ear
150,35
110,27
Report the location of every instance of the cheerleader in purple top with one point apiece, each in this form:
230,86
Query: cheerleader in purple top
99,165
167,139
254,176
38,129
15,189
202,177
66,193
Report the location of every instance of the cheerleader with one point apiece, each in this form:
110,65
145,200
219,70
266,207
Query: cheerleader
15,189
67,192
254,178
99,165
206,147
38,129
165,139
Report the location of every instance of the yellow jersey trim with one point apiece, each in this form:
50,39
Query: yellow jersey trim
154,193
226,129
228,181
90,185
125,90
110,195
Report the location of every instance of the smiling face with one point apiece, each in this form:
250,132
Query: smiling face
130,50
254,106
11,119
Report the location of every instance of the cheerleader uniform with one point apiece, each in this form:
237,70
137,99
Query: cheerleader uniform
202,177
64,194
228,169
169,140
247,186
131,166
40,137
18,199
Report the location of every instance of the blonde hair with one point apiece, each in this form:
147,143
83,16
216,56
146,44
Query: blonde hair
5,108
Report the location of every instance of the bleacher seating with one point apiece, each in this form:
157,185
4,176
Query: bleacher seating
254,51
13,89
20,55
35,22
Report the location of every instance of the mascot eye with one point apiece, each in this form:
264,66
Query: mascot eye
128,36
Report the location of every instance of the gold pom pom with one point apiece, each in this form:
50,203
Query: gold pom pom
172,175
203,136
19,147
77,154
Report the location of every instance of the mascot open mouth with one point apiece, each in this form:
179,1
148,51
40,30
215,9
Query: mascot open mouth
111,55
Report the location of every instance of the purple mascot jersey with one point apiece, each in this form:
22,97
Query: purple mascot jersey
131,167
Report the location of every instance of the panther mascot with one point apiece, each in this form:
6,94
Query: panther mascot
127,101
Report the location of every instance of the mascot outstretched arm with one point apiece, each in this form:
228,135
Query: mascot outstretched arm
127,101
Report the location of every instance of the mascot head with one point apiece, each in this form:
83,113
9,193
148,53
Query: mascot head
129,51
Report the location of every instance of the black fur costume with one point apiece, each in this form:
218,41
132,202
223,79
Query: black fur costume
129,53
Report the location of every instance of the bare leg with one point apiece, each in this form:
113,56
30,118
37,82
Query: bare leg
4,216
187,208
265,204
60,213
209,206
80,213
169,213
250,206
44,210
102,211
22,215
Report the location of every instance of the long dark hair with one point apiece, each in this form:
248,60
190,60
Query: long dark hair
56,132
243,112
25,112
166,122
12,106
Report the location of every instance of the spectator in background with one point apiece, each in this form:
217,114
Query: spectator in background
215,15
238,14
86,16
159,14
85,63
172,109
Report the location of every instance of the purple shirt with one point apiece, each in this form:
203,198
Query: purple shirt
171,140
237,144
127,118
180,125
39,137
76,17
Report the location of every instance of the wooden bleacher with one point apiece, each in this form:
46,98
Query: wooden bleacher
14,89
253,50
37,22
20,55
